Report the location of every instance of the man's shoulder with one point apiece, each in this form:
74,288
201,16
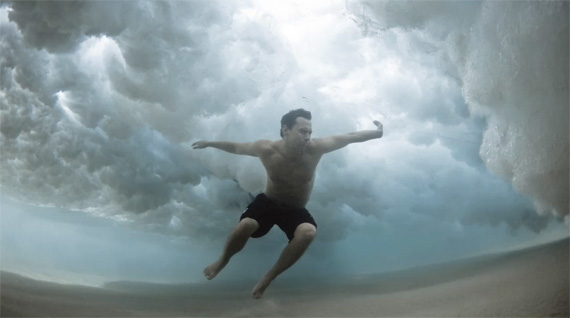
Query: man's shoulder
315,142
265,145
315,145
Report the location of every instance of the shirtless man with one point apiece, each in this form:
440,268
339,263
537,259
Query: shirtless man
290,164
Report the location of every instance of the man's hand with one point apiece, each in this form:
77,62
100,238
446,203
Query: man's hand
200,144
379,126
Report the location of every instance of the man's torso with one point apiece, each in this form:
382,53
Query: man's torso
289,180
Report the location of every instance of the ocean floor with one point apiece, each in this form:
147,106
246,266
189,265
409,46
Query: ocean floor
532,282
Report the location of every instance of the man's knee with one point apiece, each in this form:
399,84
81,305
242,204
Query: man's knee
306,232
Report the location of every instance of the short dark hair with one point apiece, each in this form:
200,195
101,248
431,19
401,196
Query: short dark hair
290,118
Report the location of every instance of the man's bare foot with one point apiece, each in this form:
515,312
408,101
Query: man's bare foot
260,287
211,271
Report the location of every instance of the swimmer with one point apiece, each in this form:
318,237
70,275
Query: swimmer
290,164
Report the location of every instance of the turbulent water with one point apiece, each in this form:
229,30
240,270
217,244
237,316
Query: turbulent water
100,100
512,60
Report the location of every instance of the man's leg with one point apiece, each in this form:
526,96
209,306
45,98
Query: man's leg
304,235
235,242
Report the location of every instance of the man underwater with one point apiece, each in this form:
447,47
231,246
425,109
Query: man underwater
290,164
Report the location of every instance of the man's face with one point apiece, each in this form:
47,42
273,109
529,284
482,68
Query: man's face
300,134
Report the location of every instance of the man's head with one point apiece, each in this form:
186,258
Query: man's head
296,125
290,119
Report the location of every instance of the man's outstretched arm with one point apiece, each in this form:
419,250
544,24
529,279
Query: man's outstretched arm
332,143
238,148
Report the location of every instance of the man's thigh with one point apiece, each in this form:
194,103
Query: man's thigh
264,222
248,225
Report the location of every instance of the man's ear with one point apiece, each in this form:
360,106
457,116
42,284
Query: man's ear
284,128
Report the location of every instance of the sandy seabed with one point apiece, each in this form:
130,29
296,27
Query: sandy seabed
532,282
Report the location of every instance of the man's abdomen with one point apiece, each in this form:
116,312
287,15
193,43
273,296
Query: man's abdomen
294,195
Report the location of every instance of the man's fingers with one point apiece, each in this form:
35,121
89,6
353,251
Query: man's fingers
377,123
199,144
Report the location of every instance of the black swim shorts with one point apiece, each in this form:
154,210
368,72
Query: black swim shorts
268,213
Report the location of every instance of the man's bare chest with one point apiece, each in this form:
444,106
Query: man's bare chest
299,170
